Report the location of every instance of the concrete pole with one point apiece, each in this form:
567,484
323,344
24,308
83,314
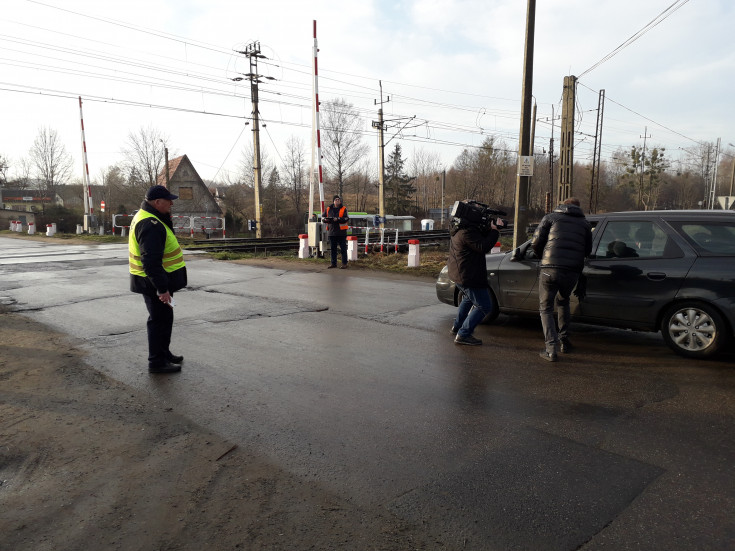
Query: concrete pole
521,214
444,176
253,51
381,169
165,153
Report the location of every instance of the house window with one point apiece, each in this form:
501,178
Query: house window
186,193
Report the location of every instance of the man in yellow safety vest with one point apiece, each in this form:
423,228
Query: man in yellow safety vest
157,270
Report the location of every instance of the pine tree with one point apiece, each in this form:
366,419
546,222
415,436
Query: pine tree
398,187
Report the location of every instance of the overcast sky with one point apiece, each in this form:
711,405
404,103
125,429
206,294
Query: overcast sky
454,65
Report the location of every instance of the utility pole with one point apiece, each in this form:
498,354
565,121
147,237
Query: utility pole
165,154
713,195
444,176
550,193
252,52
521,213
381,156
532,152
596,155
566,149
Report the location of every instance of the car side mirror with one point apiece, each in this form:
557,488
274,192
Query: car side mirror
516,256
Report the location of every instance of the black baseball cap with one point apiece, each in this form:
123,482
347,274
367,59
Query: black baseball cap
159,192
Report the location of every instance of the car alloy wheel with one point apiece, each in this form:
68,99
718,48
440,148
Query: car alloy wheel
694,329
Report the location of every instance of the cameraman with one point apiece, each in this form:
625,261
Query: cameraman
468,245
337,221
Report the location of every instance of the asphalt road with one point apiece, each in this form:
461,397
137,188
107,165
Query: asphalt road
353,381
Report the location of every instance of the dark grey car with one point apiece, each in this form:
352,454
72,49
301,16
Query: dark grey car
671,271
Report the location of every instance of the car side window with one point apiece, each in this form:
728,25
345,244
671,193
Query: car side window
635,239
710,238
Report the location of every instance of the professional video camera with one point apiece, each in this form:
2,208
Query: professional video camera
475,214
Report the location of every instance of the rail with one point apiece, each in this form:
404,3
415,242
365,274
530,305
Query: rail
393,241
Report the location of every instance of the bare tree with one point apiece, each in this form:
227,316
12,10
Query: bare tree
462,180
53,165
119,198
4,167
342,145
426,167
23,174
293,168
144,154
363,182
247,168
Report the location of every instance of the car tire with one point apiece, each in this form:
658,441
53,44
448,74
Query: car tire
694,329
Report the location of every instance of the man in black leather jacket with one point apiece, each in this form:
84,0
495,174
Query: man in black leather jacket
467,268
562,241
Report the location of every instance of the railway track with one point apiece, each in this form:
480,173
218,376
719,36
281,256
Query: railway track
278,244
268,244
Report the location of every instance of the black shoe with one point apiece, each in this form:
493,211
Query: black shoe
343,266
548,356
469,341
566,346
454,330
174,359
331,266
168,367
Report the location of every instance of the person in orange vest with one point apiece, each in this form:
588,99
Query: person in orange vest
337,221
157,270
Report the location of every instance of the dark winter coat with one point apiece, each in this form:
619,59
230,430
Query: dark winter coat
333,228
467,250
563,239
151,237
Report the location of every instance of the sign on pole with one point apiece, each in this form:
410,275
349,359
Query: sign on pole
525,165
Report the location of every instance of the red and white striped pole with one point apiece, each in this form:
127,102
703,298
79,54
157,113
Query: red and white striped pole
88,207
317,129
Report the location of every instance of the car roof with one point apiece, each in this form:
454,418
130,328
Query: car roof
693,214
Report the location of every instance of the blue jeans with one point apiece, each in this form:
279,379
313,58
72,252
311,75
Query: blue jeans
554,288
476,304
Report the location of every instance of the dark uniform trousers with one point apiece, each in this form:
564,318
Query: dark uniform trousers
160,324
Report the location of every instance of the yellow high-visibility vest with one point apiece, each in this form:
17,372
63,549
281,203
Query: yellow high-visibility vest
173,257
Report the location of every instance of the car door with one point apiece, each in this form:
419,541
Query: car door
518,280
635,269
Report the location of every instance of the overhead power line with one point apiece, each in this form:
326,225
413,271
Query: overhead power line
650,25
